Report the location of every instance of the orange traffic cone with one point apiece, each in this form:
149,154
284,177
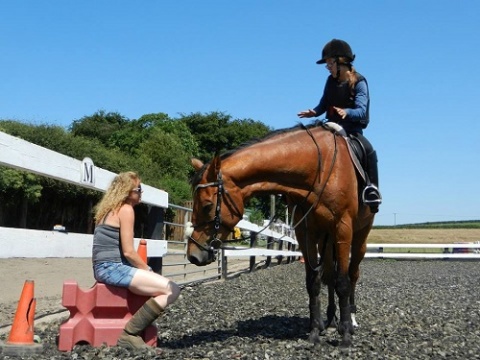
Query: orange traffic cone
20,342
142,249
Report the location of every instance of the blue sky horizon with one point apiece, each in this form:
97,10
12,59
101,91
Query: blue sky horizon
255,60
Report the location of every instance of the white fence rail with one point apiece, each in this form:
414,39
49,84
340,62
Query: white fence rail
21,154
25,243
460,251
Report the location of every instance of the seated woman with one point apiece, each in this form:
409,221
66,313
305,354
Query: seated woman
116,262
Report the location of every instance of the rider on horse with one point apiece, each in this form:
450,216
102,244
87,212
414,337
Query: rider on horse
346,102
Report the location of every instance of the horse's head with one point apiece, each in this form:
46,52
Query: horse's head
217,208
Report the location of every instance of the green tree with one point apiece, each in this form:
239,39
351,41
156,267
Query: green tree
242,131
101,126
217,132
207,133
164,153
170,126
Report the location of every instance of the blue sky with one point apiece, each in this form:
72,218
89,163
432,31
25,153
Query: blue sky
62,60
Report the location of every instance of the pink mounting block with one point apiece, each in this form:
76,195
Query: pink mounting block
98,315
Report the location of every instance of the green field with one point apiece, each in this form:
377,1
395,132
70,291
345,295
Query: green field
471,224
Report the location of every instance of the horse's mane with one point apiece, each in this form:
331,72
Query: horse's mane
270,135
198,175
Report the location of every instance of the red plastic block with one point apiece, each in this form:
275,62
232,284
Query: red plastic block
98,315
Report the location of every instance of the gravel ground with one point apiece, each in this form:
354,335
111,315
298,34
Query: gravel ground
406,310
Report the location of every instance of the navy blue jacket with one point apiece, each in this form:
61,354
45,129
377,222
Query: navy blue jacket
356,103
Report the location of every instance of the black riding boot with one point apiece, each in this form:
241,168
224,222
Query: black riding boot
371,195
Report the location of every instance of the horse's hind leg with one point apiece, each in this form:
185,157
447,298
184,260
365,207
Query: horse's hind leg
328,278
343,285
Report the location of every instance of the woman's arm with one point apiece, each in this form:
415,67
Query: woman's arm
359,113
126,217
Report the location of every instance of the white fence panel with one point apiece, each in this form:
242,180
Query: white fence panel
24,243
459,251
21,154
246,225
244,251
423,256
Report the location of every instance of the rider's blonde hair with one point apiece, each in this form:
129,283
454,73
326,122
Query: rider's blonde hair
116,194
352,75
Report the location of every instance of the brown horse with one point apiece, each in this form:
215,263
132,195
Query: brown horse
312,168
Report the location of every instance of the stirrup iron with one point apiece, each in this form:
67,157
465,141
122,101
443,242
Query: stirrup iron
374,202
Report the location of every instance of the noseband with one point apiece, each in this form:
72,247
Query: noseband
215,243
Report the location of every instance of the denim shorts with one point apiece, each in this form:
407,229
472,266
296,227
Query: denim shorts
114,273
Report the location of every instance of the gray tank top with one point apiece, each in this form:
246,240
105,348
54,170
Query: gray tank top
106,244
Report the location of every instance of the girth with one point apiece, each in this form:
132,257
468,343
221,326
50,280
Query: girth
355,149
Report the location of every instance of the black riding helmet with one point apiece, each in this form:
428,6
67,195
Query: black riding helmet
335,49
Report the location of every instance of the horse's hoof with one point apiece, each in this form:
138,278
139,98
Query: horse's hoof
314,337
346,342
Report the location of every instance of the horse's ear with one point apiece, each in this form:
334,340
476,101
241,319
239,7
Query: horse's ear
197,164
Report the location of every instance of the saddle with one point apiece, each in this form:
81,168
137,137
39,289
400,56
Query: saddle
356,149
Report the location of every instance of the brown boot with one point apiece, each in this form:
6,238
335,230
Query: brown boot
131,335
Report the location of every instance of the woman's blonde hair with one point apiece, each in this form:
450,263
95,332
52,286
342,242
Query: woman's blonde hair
352,77
116,194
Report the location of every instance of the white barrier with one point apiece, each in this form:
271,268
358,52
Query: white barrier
405,252
245,225
21,154
24,243
422,256
238,251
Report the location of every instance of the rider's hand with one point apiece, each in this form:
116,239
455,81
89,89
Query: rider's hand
307,113
341,112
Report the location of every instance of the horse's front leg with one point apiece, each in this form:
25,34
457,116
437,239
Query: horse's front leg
313,288
328,278
343,290
353,305
345,327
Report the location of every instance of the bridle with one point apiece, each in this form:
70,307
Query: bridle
215,243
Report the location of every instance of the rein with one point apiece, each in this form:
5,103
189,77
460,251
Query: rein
317,268
317,176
